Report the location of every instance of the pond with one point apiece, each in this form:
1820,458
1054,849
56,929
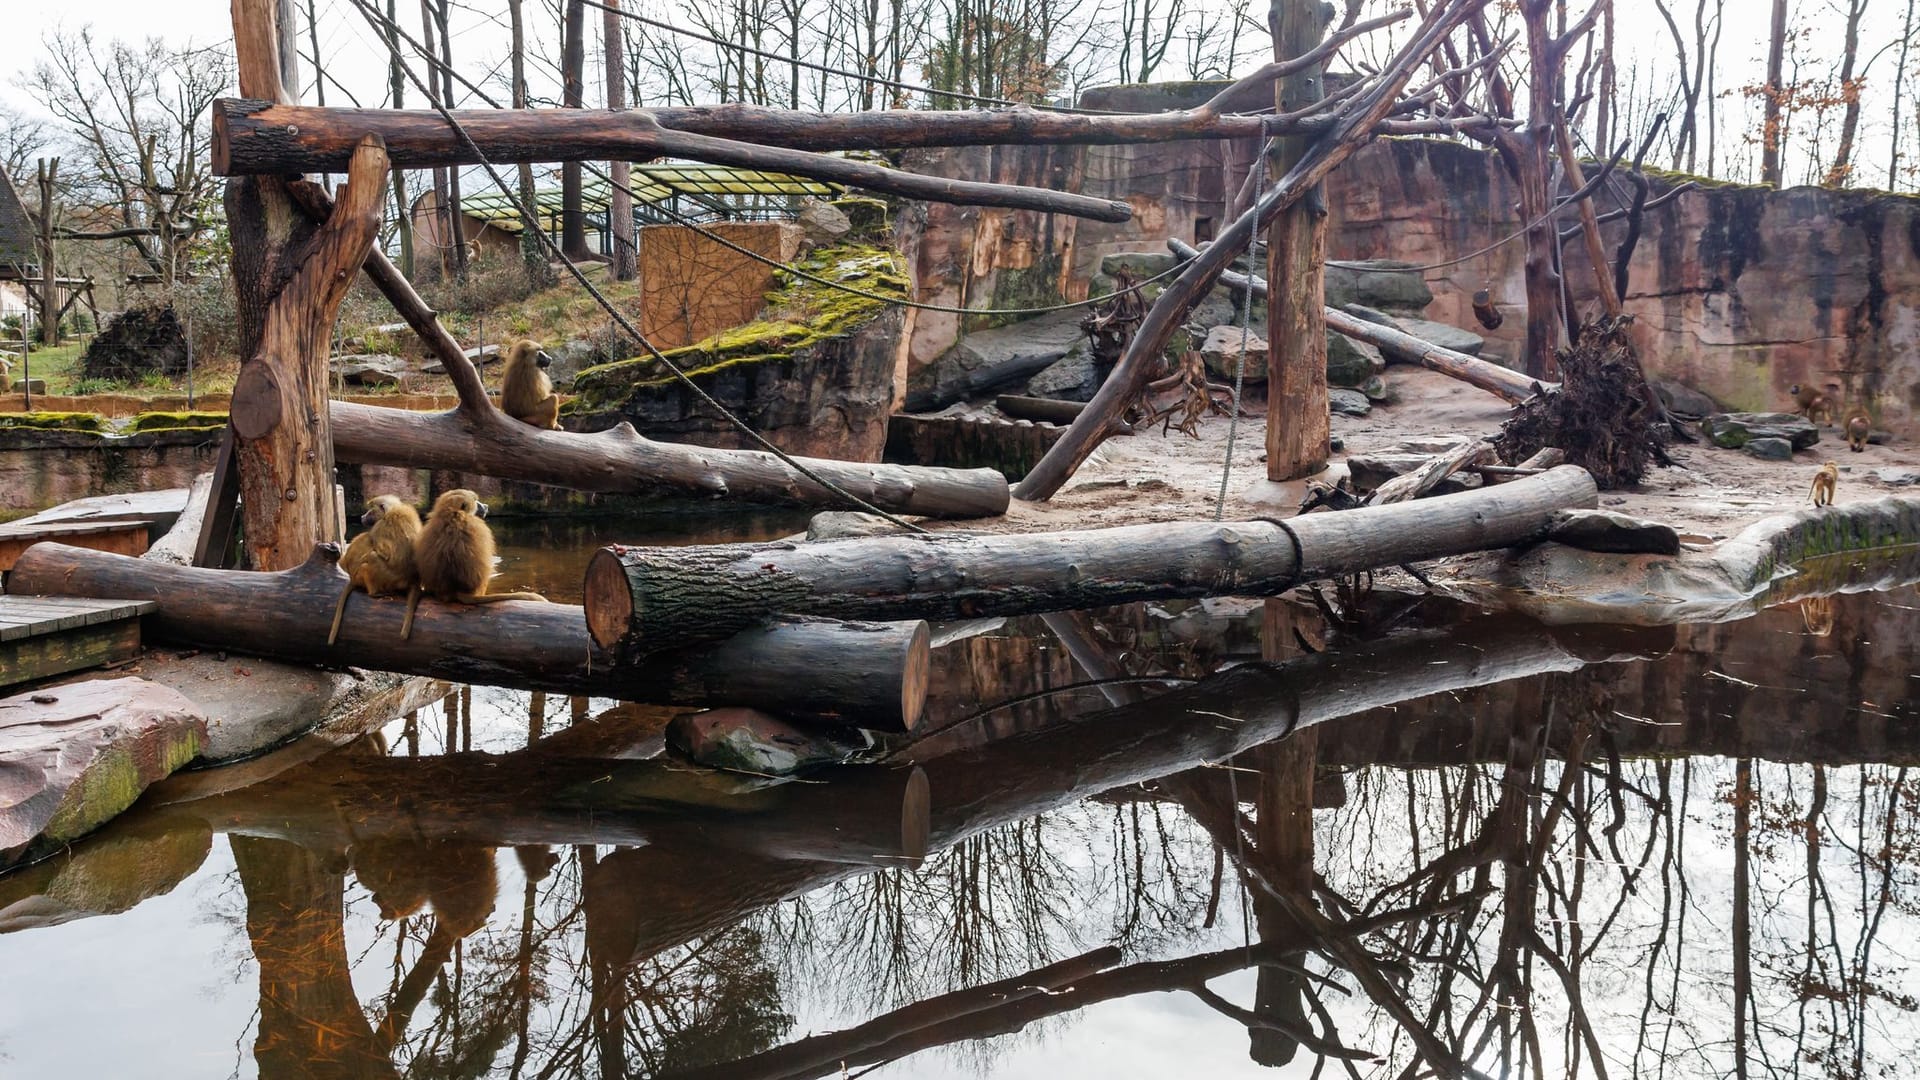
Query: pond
1379,836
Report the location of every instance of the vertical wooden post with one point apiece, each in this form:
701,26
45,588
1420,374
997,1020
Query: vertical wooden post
1298,435
573,59
620,204
289,278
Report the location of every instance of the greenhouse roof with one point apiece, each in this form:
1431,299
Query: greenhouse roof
654,182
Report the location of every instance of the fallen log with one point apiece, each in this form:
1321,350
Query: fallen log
1021,407
1505,383
1417,482
620,460
638,598
258,138
874,676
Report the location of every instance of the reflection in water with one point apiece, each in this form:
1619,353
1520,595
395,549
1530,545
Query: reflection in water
1471,846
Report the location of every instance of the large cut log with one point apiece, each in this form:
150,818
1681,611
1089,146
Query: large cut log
1397,344
1137,366
278,145
871,675
639,599
620,460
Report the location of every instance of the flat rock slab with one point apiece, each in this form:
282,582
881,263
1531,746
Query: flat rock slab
750,741
1602,530
1769,448
1897,477
159,509
72,757
1732,431
1344,402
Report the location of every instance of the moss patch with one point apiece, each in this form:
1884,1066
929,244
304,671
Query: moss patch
800,313
53,421
174,421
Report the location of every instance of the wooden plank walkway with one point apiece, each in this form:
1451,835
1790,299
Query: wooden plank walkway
44,636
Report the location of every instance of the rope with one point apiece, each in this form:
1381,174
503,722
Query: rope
1240,364
681,219
379,20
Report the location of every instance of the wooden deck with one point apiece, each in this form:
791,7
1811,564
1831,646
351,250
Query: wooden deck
44,636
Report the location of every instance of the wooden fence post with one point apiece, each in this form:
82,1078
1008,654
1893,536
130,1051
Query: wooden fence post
1298,429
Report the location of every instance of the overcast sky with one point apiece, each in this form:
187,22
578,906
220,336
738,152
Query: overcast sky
356,59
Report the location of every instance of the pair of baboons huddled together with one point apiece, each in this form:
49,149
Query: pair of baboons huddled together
1813,403
448,557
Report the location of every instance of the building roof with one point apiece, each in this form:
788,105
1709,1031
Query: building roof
655,182
17,254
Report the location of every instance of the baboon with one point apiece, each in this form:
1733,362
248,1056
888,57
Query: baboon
454,556
1859,427
1811,403
379,562
1824,483
526,394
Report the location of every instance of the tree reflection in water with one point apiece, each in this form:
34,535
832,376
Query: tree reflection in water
1489,850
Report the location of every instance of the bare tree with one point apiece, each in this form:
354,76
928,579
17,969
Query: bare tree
138,114
22,141
1773,133
620,204
1848,93
397,89
1147,29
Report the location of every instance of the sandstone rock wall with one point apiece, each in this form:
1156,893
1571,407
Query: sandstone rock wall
1739,291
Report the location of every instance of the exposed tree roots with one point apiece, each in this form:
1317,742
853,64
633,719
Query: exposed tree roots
1599,415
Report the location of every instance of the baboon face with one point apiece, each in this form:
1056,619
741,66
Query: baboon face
542,358
528,349
461,501
378,507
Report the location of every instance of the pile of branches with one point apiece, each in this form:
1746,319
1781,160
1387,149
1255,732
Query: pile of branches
1603,414
141,341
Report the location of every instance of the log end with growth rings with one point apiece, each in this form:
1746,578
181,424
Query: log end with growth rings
608,599
915,675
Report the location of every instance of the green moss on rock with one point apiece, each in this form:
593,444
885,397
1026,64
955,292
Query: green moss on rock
173,421
800,313
870,217
53,421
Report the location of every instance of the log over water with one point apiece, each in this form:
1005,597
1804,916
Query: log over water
639,599
871,675
621,460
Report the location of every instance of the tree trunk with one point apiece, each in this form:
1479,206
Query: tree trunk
1298,423
457,220
253,138
1771,133
532,251
49,307
867,674
640,598
1842,171
620,206
397,87
573,62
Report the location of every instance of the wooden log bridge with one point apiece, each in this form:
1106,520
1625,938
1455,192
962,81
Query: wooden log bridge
639,599
871,675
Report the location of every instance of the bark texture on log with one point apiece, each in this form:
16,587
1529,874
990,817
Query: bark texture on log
873,676
1299,428
620,460
253,138
641,598
283,443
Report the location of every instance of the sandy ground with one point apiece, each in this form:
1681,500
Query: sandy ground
1713,494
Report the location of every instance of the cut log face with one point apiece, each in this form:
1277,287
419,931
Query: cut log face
72,757
869,675
639,599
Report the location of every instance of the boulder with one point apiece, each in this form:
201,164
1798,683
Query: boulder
1226,346
1343,402
750,741
481,356
1378,283
1603,530
991,359
1074,377
74,756
1685,401
1897,477
370,369
1731,431
570,359
1350,362
823,222
1376,389
1769,449
1140,265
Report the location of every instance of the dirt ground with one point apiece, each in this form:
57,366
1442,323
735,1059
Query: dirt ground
1713,494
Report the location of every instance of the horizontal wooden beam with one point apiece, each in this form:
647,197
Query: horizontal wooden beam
259,138
871,675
